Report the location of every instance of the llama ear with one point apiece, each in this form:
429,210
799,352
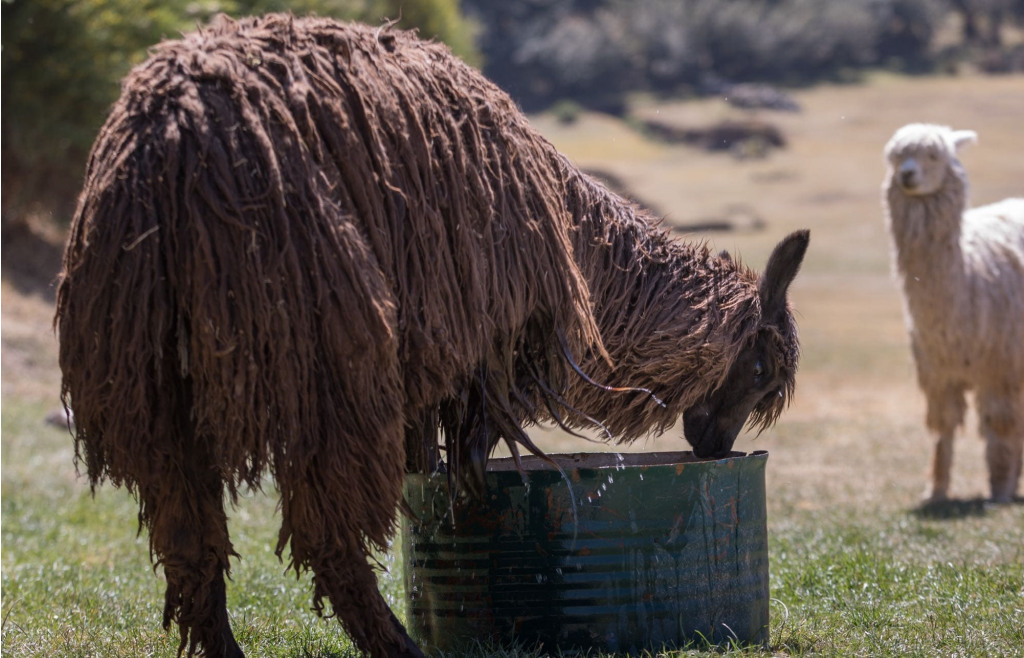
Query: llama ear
780,271
964,137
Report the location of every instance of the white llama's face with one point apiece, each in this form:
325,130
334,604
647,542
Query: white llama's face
921,156
919,169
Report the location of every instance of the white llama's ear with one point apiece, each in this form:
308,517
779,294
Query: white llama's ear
962,137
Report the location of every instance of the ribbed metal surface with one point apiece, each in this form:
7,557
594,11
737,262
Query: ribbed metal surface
618,554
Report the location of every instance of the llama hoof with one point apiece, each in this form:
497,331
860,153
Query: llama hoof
1003,492
406,647
410,650
230,648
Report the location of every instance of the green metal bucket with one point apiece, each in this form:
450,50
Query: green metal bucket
616,553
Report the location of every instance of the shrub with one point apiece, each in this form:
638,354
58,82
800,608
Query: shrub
63,61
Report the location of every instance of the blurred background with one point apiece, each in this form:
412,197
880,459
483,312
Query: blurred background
63,59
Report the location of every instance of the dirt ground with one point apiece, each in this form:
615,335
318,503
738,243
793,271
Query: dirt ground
854,435
30,260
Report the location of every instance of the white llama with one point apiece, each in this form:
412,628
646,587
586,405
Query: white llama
963,282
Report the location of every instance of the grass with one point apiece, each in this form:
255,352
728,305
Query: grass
77,579
844,581
858,567
900,586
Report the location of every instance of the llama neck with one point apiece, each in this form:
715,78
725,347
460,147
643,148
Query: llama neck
671,315
926,229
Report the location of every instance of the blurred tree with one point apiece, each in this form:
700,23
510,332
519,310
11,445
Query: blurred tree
435,19
982,21
906,31
596,51
63,60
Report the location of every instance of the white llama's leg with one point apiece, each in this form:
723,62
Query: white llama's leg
946,409
1003,454
942,463
1002,425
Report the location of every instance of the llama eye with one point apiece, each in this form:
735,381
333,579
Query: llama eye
758,370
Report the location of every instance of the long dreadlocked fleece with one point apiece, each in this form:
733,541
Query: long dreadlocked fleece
301,242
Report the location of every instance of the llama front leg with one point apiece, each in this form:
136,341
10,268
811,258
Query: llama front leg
1002,426
942,463
328,521
189,537
946,409
1003,455
348,581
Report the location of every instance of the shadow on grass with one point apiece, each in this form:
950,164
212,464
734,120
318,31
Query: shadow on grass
959,509
306,652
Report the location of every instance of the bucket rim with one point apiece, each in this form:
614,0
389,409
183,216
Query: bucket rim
617,460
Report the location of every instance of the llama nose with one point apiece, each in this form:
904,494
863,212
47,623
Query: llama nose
908,173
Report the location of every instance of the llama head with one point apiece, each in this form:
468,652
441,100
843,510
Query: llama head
921,156
761,380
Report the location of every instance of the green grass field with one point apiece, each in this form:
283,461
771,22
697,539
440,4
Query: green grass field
858,567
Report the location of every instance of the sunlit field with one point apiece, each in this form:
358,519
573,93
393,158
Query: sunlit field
858,566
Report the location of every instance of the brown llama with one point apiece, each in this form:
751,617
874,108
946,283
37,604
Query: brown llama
303,247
